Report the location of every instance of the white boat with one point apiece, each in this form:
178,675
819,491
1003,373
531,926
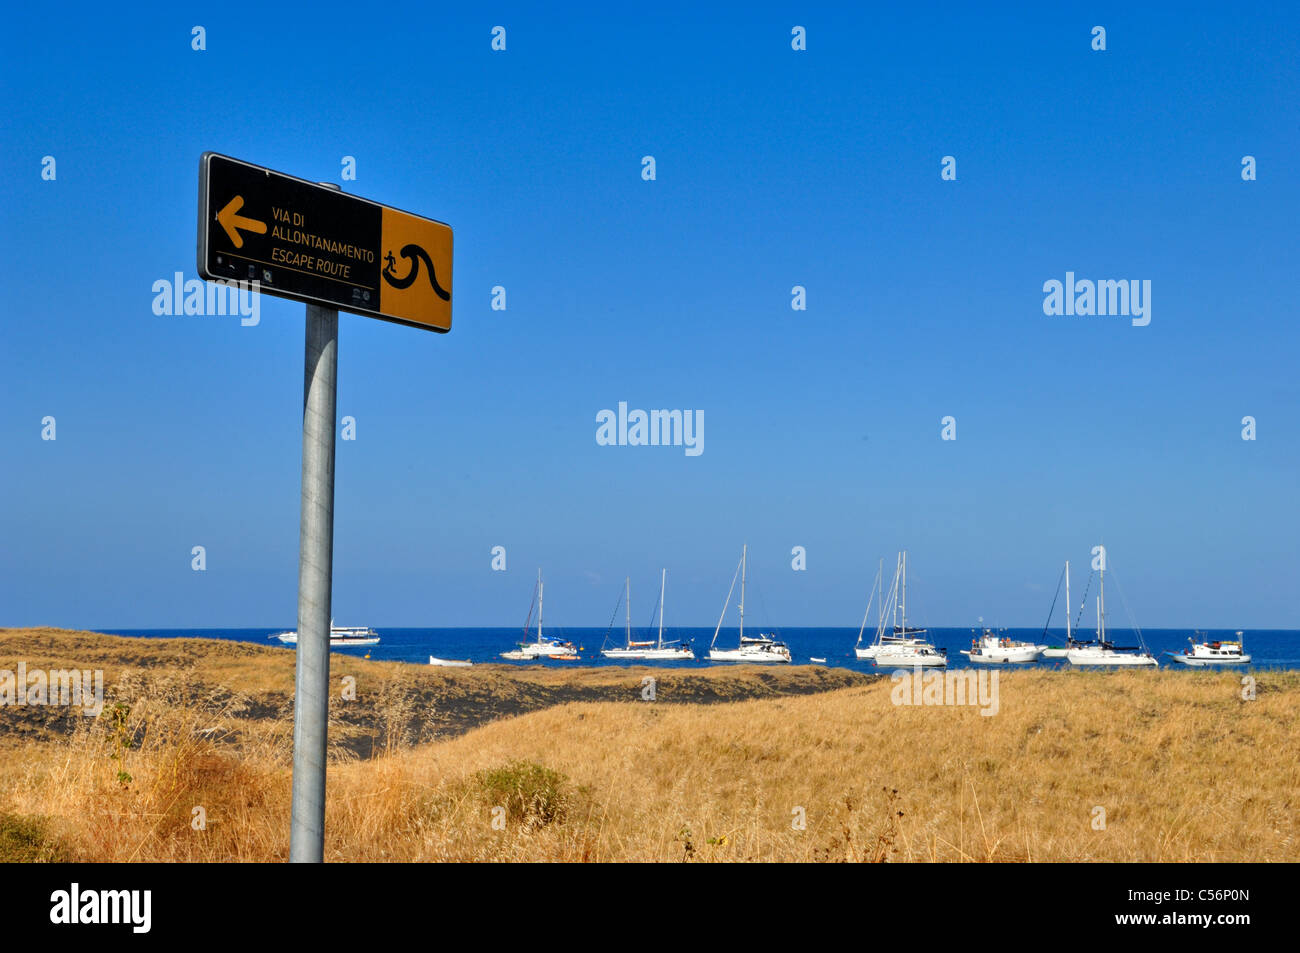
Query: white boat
1108,655
993,649
449,663
650,650
1206,653
545,647
903,646
819,661
892,640
340,636
760,648
1104,653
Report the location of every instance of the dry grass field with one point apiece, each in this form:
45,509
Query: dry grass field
735,764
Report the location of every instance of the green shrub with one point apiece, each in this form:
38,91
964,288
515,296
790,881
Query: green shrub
531,794
25,840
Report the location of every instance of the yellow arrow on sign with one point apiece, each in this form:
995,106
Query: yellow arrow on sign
233,222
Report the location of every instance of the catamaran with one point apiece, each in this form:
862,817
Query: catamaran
760,648
1208,652
993,649
1104,652
904,647
650,650
546,647
340,636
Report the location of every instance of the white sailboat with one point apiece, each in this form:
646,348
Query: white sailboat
650,650
546,647
1207,653
1056,651
904,647
883,640
761,648
1104,652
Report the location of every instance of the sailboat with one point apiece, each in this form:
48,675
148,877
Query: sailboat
1056,651
650,650
1208,652
883,640
1103,652
904,646
548,647
760,648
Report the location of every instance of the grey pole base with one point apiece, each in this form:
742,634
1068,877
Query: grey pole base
315,565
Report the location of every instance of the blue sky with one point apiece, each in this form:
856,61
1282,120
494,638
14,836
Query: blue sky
774,168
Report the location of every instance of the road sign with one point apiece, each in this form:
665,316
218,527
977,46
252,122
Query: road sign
311,243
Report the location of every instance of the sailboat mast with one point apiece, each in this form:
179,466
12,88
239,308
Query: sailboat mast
893,589
663,577
866,614
726,604
539,607
880,593
1068,610
1101,602
902,602
743,551
628,584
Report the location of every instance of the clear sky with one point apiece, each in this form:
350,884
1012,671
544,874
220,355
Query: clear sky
774,168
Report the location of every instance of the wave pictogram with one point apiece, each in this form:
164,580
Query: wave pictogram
415,254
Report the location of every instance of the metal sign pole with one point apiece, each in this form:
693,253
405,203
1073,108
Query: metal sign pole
315,565
311,243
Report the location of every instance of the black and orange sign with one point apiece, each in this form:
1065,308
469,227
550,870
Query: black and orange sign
306,241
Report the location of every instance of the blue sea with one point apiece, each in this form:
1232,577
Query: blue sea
1270,648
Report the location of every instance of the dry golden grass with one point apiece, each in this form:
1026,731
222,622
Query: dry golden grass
1183,766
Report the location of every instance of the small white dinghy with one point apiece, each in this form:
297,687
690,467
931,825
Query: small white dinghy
449,663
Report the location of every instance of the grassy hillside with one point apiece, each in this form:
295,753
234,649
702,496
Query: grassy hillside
573,765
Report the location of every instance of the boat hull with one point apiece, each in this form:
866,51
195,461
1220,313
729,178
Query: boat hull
1109,659
883,660
291,638
650,655
1197,662
741,655
1004,654
449,663
887,644
1010,658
